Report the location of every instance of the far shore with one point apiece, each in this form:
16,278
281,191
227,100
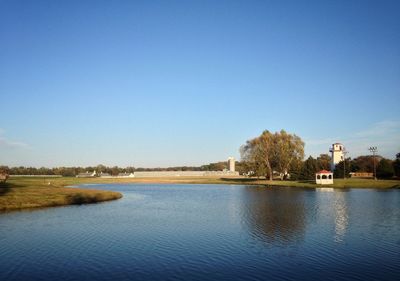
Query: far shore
38,192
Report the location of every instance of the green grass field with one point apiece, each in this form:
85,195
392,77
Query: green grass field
338,183
35,192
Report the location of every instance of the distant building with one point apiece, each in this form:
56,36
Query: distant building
87,175
105,175
324,177
337,151
126,175
362,175
231,164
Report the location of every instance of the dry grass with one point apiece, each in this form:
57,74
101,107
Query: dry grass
23,193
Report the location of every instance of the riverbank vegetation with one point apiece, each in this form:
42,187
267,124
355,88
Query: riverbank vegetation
24,193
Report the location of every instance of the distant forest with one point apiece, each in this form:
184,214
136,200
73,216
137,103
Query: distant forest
305,170
115,170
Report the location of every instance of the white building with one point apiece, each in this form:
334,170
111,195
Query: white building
324,177
87,175
337,151
126,175
231,164
105,175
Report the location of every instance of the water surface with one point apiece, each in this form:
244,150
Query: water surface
208,232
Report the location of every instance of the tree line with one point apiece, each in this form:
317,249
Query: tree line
385,168
114,171
270,155
280,155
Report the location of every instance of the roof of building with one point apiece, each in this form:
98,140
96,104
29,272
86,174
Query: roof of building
324,172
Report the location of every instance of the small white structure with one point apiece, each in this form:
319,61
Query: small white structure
105,175
87,175
324,177
337,151
126,175
231,164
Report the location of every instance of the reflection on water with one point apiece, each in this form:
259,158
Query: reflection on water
341,216
275,215
333,210
208,232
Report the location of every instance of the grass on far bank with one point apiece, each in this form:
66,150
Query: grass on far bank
337,183
35,192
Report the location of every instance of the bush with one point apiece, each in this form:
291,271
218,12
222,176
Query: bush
385,169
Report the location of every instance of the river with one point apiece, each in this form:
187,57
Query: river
208,232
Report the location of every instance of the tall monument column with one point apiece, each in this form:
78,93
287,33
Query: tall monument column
231,164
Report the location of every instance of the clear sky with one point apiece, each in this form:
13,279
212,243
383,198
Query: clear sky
164,83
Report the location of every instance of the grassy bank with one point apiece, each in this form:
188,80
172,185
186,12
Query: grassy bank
338,183
24,193
344,183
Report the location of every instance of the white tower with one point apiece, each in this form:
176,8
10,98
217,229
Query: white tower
337,151
231,164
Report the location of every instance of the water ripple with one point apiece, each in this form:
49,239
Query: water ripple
167,232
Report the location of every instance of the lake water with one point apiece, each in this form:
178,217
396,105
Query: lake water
208,232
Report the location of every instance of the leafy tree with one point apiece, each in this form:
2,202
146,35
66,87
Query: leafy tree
67,172
240,167
130,169
324,162
342,166
365,163
115,171
385,170
101,169
287,149
257,153
296,170
310,167
396,165
4,169
273,152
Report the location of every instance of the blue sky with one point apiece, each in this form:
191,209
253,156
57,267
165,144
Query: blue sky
164,83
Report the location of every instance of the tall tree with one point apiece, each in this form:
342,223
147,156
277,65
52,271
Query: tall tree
396,165
324,162
257,152
343,167
287,148
365,163
273,152
310,167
